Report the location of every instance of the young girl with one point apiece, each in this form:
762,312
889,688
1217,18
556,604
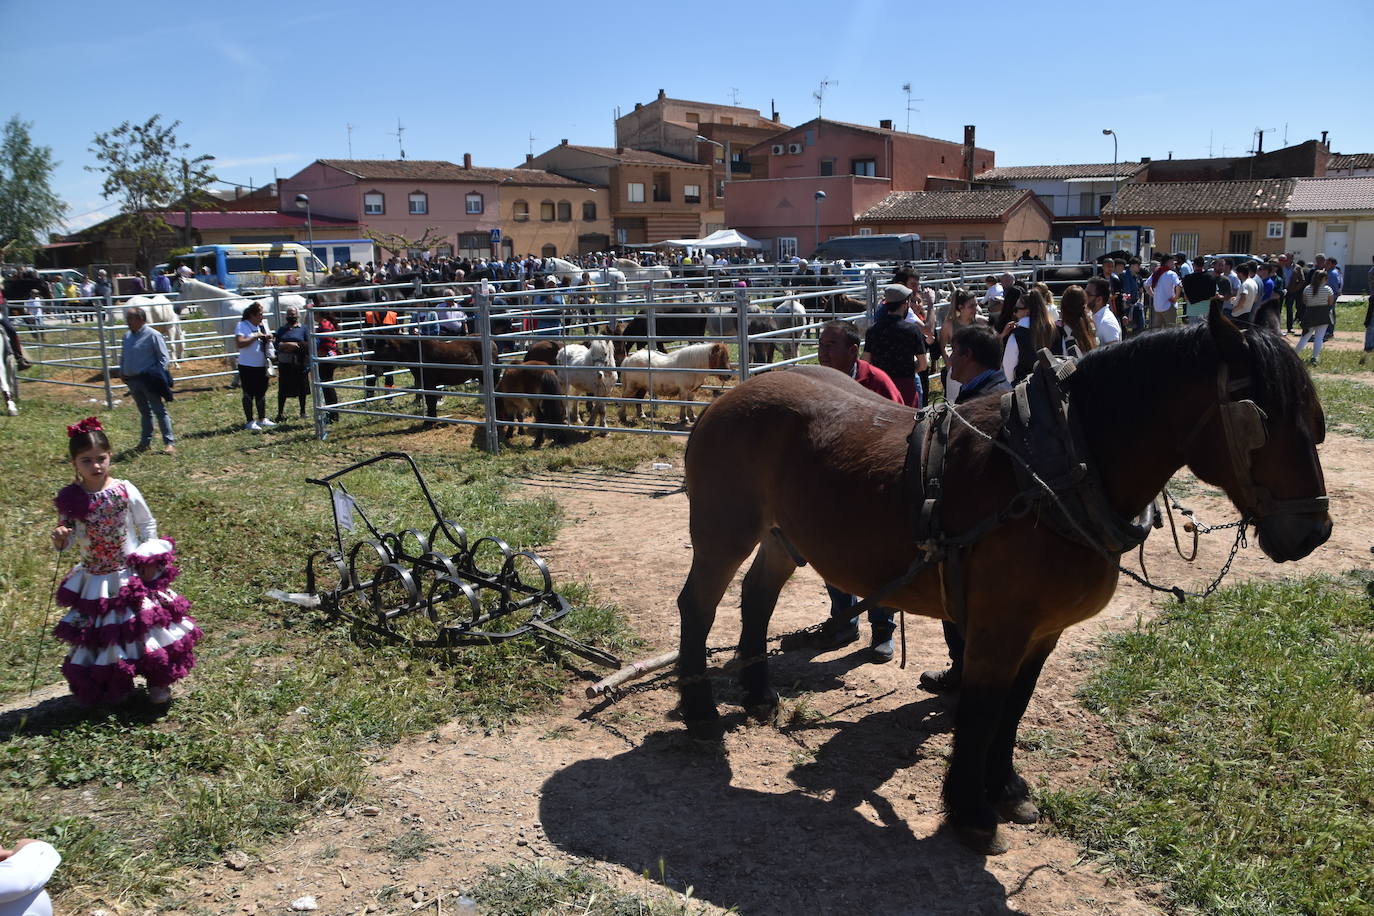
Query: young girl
125,620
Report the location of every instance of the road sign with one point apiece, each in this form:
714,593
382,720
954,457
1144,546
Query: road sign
496,236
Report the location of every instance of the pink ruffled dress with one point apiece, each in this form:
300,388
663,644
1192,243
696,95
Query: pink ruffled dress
125,620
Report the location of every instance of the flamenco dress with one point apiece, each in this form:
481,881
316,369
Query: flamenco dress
124,618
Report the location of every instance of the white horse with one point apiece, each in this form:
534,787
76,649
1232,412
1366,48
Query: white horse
633,271
162,317
9,376
588,370
680,374
561,268
225,308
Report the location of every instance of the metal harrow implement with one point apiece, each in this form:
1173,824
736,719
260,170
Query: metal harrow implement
432,588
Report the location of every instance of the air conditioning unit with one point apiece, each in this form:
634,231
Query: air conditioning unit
778,149
794,148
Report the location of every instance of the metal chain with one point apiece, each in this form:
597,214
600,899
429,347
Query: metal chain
1177,591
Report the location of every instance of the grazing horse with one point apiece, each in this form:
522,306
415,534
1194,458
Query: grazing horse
676,376
532,388
443,362
790,461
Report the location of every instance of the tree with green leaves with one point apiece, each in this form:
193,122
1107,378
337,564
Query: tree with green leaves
147,169
28,206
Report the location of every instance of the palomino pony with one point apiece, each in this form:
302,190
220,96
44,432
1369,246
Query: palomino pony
808,466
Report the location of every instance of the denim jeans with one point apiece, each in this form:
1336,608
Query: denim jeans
882,619
1369,337
150,404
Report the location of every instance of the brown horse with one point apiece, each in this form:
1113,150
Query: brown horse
448,362
808,465
532,388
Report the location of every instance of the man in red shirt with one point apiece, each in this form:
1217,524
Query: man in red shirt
839,349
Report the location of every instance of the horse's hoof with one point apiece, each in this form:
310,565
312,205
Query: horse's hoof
986,841
705,728
762,710
1018,811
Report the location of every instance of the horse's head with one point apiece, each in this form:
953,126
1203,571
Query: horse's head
1258,439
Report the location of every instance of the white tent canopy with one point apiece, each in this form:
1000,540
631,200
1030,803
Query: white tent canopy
723,238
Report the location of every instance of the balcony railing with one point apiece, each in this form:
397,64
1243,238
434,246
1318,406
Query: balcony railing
741,168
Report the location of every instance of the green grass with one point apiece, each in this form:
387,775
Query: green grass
537,890
1245,776
1349,405
284,712
1350,316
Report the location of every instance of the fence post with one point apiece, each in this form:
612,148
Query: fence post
276,306
106,307
312,355
871,293
492,433
742,331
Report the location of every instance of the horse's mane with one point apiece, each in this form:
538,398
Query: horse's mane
1108,378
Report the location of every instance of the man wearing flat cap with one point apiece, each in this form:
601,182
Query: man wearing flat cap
896,346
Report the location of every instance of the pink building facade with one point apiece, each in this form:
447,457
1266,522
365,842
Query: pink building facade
406,198
784,211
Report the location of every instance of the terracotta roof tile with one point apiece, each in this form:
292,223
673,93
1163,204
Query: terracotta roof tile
944,205
1059,172
1324,194
1269,195
441,170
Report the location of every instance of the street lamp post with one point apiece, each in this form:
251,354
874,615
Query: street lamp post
725,156
820,196
1115,178
303,203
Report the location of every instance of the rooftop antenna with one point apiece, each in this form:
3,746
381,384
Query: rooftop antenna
350,140
1259,134
398,134
1285,133
1210,134
734,96
906,87
819,94
532,138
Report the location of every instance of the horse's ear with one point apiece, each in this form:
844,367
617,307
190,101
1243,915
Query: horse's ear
1230,341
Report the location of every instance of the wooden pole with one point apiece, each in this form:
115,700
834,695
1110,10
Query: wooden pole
630,672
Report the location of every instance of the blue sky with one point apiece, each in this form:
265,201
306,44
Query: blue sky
269,86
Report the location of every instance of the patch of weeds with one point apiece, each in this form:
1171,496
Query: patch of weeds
800,710
536,890
558,732
328,853
1042,741
411,846
1245,774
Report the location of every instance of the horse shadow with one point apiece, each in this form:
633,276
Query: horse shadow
667,808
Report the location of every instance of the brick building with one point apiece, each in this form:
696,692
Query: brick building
985,225
1207,217
651,196
673,126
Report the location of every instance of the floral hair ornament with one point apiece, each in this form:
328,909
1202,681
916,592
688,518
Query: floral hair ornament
88,425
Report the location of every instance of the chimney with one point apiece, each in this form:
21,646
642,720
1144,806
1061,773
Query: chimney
662,95
885,124
529,157
638,105
467,160
563,142
1324,133
969,132
1144,160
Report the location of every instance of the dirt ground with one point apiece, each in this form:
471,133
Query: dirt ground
837,813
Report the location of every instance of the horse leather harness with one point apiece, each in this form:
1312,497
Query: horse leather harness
1045,438
1244,429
